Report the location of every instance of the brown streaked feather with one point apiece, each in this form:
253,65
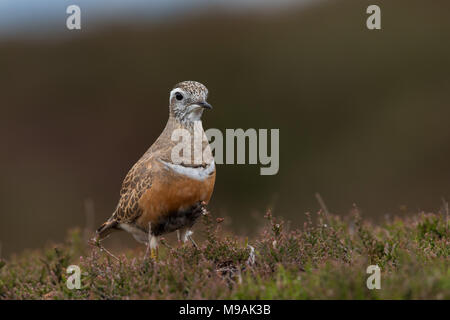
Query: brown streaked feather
105,229
135,184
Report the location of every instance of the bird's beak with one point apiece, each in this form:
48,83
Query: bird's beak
205,105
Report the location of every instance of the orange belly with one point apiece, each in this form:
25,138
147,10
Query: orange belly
164,198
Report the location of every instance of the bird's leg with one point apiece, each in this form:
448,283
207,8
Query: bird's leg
152,243
193,242
147,250
152,248
179,238
184,234
188,236
200,209
148,242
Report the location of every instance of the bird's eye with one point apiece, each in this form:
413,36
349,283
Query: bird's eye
179,96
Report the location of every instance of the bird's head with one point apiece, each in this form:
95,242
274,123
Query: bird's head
188,100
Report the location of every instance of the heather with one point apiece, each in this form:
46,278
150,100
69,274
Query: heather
326,258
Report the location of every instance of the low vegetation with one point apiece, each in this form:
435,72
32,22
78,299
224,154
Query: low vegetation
326,259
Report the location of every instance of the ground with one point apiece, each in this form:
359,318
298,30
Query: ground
326,259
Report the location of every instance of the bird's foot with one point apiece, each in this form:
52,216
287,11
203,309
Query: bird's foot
154,254
151,253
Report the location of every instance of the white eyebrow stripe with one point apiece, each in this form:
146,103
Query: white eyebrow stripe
175,91
198,173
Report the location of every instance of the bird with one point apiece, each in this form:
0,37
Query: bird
161,194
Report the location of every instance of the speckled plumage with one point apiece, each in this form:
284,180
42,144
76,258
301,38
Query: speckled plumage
154,198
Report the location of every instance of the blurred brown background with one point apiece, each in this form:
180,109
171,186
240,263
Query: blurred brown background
363,115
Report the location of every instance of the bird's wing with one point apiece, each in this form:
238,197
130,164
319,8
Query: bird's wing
136,183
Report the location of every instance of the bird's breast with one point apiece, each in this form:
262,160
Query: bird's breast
175,189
